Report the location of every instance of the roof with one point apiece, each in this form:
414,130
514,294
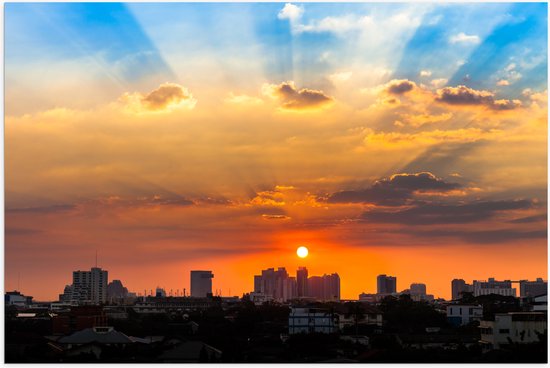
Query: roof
88,335
188,351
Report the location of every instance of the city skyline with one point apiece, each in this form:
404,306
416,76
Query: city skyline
399,139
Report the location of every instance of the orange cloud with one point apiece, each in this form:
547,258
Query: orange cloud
293,99
167,97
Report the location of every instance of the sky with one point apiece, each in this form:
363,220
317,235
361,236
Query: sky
401,139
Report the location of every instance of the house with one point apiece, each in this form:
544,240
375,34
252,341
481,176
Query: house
463,314
191,352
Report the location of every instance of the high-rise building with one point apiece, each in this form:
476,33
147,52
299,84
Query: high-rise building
482,287
418,289
386,284
201,283
275,285
533,288
301,280
324,288
88,287
459,286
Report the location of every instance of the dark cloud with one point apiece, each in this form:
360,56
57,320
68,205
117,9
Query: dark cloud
398,87
45,209
394,191
529,219
485,236
462,95
295,99
10,231
275,217
439,213
166,94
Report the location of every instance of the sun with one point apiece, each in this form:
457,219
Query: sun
302,252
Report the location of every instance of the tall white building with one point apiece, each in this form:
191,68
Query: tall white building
201,283
494,287
88,287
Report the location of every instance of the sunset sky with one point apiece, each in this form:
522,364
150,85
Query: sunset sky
405,139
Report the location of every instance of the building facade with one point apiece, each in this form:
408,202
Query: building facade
459,286
533,288
463,314
515,327
88,287
301,281
311,320
386,284
494,287
201,283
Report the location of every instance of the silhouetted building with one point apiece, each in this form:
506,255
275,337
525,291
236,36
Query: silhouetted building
463,314
494,287
17,299
201,283
274,285
88,287
533,288
386,284
459,286
418,289
311,320
301,280
115,290
324,288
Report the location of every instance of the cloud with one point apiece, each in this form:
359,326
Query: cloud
341,24
530,219
503,82
462,95
395,190
438,83
484,236
425,73
464,38
45,209
399,86
340,77
167,97
293,99
443,213
243,100
422,119
275,217
291,12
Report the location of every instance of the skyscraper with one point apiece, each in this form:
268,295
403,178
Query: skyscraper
201,283
533,288
301,280
459,286
88,287
418,289
324,288
386,284
275,284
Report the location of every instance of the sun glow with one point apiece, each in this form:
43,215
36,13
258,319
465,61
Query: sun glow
302,252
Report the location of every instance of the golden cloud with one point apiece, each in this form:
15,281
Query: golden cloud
293,99
167,97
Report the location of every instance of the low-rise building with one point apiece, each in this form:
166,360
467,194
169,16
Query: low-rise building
311,320
17,299
463,314
514,327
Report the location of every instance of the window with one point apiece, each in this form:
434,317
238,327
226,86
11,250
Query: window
460,311
504,331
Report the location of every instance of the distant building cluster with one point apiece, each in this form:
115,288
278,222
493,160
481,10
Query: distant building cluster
387,286
504,288
277,285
